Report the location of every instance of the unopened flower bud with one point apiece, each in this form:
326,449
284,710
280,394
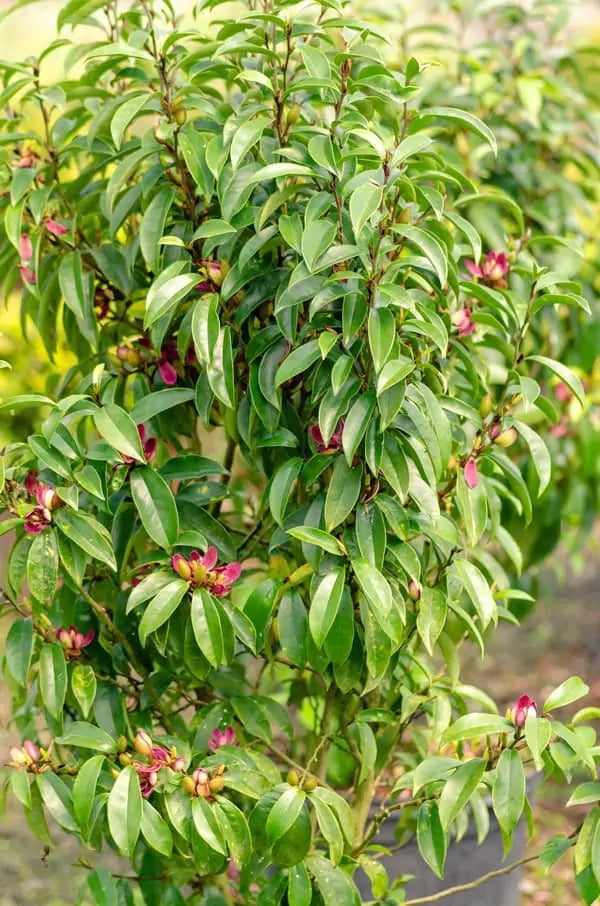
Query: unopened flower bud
188,784
415,590
181,567
121,743
31,750
486,405
525,707
114,773
142,743
17,755
122,353
292,778
507,438
178,764
124,759
310,784
216,784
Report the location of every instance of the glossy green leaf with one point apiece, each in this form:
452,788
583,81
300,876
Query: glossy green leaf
569,691
431,838
87,736
155,830
84,791
508,792
156,506
88,534
343,492
83,686
19,649
118,429
161,607
124,811
206,623
324,605
458,790
53,678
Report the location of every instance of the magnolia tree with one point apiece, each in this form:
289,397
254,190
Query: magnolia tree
233,670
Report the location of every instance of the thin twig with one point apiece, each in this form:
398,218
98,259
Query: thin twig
471,885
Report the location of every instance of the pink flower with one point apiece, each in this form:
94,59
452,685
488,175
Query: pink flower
462,319
561,429
220,738
562,392
36,520
148,777
74,641
25,248
148,446
493,270
335,441
25,756
158,757
470,473
203,572
213,273
168,354
525,707
47,499
27,273
28,158
57,229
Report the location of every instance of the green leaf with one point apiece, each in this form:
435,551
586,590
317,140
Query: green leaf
155,830
124,811
375,588
364,201
477,588
83,685
299,886
160,401
205,327
124,116
206,624
343,492
87,736
508,792
382,333
56,796
356,424
540,457
335,886
431,617
119,430
431,839
85,532
84,791
463,118
472,726
569,691
393,372
458,789
538,733
53,678
235,830
19,648
317,238
165,294
42,567
152,226
162,607
76,286
245,137
318,537
148,588
585,793
473,507
430,247
325,604
20,785
211,228
565,374
330,829
298,361
412,144
207,826
156,506
284,813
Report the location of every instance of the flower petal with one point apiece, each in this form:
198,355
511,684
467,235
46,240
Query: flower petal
470,473
167,373
209,560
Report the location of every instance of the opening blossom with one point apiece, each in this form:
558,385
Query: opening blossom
335,441
202,571
220,738
492,270
158,757
47,499
525,707
74,641
214,273
463,321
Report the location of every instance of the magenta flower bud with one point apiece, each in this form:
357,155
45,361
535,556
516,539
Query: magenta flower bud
525,707
178,763
37,520
415,590
25,248
220,738
57,229
335,441
470,473
142,743
27,274
32,750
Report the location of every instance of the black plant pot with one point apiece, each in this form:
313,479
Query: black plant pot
466,861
